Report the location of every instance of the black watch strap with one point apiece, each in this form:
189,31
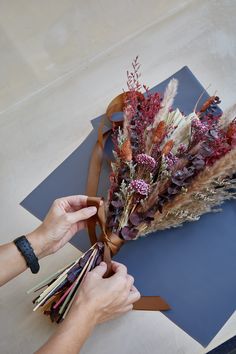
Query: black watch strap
27,252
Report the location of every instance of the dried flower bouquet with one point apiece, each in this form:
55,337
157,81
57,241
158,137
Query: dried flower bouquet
168,168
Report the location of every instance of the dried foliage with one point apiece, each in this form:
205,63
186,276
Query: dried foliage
209,189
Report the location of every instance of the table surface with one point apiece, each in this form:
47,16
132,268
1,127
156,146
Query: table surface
61,63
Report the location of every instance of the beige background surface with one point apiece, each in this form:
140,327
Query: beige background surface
61,61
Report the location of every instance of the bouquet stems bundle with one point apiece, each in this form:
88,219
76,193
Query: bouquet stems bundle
62,287
168,168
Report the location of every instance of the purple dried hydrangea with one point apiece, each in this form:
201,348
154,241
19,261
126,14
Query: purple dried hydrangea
147,161
140,186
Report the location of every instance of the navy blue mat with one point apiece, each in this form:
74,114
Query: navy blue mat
192,267
228,347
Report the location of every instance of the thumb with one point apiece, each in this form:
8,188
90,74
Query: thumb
100,270
83,214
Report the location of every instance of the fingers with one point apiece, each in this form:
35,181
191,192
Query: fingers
76,207
134,295
120,271
82,214
100,270
119,268
130,281
127,308
75,200
81,225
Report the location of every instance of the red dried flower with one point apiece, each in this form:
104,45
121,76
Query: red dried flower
231,133
182,148
218,144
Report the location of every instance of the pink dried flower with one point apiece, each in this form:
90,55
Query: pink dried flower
140,186
198,125
171,160
199,130
147,161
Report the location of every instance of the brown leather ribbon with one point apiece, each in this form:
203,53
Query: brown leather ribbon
112,242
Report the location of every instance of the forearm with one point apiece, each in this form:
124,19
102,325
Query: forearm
66,217
12,263
71,333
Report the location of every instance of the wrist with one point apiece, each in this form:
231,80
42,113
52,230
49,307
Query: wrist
84,308
67,338
39,243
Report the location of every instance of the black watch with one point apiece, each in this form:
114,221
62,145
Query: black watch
27,252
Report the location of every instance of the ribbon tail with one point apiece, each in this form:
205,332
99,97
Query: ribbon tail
107,260
151,303
145,303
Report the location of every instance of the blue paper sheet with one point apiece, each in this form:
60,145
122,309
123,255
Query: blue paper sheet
192,267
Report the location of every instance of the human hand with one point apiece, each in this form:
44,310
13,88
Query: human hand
98,300
107,298
66,216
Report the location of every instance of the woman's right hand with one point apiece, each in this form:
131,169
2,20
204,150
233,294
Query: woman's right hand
98,300
110,297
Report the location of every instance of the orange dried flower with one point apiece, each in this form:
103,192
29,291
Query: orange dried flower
126,151
159,133
211,101
167,147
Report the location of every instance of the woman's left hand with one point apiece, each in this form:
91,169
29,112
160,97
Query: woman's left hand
66,217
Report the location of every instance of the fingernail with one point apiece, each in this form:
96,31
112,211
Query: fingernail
102,264
92,210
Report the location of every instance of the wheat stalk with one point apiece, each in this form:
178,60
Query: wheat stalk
167,101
